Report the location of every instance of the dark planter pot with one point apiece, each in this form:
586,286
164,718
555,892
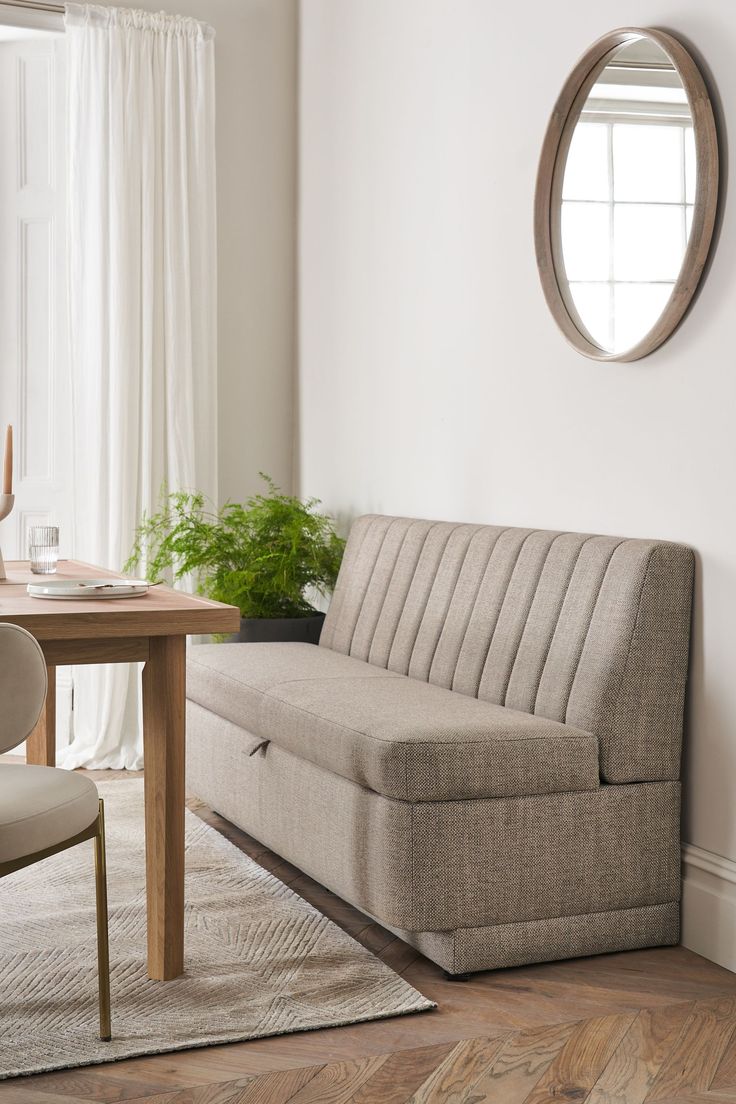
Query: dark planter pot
256,630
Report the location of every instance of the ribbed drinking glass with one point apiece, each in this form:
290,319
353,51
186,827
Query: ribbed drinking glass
43,549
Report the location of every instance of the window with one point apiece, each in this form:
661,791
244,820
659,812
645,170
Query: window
627,206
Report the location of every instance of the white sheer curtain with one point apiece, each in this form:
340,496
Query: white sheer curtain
142,301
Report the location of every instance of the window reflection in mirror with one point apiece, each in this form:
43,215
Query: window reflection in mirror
627,196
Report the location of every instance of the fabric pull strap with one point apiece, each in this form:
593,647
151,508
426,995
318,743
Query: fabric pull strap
263,744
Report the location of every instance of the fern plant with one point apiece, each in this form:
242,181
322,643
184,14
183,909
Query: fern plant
264,556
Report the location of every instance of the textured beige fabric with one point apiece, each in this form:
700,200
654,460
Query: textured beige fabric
232,678
478,863
585,630
42,806
22,685
440,767
396,735
353,841
431,866
640,631
418,742
468,949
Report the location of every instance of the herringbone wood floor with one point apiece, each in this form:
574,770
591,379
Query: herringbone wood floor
656,1025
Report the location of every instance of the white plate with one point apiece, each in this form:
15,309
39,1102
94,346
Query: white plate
67,589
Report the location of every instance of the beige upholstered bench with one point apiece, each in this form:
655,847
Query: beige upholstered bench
483,752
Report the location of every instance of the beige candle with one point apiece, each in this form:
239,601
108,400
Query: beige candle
8,468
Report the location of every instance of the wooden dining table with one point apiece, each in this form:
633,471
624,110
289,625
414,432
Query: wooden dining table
150,629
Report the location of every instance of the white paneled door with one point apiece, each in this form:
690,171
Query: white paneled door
34,377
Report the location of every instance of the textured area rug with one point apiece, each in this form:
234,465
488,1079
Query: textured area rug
259,960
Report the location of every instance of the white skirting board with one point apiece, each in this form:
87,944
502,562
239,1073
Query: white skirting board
709,905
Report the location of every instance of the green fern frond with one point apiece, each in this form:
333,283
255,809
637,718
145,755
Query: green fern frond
263,556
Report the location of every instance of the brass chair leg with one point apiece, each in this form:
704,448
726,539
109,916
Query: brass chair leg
103,953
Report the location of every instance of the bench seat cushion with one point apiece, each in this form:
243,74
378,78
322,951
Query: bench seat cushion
398,736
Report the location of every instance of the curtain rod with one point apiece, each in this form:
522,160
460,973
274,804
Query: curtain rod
34,5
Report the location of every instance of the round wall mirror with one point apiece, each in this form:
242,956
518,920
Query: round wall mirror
626,194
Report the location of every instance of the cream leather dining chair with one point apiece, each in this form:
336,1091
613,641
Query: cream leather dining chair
44,810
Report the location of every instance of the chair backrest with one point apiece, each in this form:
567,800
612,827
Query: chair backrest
588,630
22,685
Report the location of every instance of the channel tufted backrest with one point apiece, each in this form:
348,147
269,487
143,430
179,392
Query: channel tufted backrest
588,630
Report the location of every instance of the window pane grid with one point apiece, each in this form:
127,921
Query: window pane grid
634,202
589,287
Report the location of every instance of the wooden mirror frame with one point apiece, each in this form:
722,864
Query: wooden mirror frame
548,196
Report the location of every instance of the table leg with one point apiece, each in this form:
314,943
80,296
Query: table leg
41,744
164,690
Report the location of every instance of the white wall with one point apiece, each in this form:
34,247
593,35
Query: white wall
256,76
433,380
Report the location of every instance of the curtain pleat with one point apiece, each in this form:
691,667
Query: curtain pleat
142,306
